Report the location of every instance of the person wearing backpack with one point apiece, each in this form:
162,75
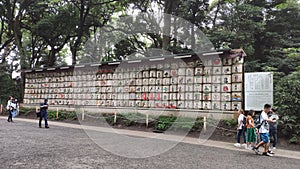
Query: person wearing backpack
264,131
241,129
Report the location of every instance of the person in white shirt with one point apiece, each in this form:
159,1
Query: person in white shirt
11,106
264,131
241,130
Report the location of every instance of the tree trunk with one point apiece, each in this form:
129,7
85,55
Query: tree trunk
216,14
52,57
18,40
84,11
193,41
175,32
74,55
167,24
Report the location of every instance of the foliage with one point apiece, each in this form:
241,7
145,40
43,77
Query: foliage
9,87
38,31
110,119
183,123
127,119
287,99
198,125
294,140
62,115
26,111
230,122
164,122
265,31
131,118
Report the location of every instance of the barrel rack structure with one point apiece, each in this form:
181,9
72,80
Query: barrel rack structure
208,82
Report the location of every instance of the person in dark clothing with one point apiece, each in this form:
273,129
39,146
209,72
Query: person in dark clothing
43,113
273,126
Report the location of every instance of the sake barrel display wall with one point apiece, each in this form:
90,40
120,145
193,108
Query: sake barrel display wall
174,82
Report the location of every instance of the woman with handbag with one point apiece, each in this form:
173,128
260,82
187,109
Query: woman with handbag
11,107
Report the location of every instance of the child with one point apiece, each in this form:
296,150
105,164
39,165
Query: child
251,130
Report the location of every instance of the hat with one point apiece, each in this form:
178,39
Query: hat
45,99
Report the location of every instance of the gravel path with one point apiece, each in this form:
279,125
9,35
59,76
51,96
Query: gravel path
24,145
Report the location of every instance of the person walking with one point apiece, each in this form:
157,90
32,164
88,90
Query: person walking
251,130
43,113
273,126
11,106
241,129
264,131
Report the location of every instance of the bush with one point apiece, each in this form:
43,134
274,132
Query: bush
294,140
109,118
287,99
183,123
230,122
131,118
26,111
62,115
198,125
164,122
127,119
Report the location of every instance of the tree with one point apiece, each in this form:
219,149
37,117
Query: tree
181,24
237,23
194,12
91,14
56,29
287,98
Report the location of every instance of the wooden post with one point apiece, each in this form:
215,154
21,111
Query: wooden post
82,115
115,117
204,124
236,115
56,113
147,120
1,108
36,109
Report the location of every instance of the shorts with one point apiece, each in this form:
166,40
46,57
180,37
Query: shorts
251,135
265,137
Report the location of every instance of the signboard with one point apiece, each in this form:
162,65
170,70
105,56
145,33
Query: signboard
258,90
175,82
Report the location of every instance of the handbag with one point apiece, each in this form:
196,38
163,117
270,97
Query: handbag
38,114
14,113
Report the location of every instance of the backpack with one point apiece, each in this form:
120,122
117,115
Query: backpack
244,122
257,122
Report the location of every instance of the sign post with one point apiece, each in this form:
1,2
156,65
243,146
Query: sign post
258,90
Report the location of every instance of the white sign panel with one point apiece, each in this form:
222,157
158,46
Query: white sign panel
258,90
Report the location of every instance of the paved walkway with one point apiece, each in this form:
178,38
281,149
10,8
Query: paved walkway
188,140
